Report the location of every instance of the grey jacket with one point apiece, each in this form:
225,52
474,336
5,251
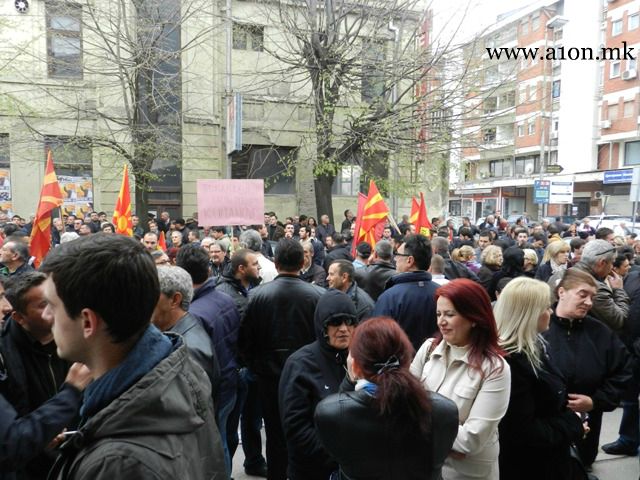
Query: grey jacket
162,427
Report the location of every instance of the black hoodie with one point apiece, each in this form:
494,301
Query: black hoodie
310,374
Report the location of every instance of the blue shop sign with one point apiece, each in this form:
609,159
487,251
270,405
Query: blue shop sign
618,176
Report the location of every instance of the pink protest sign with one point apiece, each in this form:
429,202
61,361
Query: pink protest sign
230,202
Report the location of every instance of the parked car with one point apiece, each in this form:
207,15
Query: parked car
612,221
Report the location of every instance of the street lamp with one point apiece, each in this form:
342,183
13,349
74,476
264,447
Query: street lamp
557,21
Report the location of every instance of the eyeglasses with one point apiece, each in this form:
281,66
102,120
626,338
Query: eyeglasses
348,320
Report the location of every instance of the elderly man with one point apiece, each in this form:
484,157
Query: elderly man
14,255
611,302
312,273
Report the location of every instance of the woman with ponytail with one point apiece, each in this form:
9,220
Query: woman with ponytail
389,427
464,363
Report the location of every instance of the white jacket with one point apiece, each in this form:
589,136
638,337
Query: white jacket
482,401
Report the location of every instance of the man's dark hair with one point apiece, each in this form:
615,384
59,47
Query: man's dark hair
485,233
219,229
302,218
113,275
602,233
19,246
625,251
195,232
520,230
404,229
289,255
195,261
338,238
633,236
180,221
345,212
240,259
576,243
539,236
464,232
553,229
102,213
443,232
17,287
344,266
10,229
419,247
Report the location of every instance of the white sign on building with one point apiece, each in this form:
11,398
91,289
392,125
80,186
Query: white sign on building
561,192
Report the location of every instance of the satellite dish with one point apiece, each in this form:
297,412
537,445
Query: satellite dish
528,169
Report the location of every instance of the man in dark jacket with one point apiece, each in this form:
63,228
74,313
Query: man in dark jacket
409,296
245,275
148,396
312,373
220,319
452,269
340,250
34,370
14,256
373,278
171,315
324,230
312,273
340,277
278,321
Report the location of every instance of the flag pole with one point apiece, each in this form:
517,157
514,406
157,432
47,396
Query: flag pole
393,222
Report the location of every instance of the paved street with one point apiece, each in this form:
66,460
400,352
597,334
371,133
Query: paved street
607,467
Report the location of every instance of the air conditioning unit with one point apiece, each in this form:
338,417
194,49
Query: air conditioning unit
629,74
598,195
553,135
605,124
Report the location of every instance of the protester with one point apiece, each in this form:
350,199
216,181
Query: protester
464,363
389,427
538,429
555,259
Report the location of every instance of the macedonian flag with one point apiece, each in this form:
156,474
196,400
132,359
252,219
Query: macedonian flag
423,225
122,212
415,211
372,213
50,198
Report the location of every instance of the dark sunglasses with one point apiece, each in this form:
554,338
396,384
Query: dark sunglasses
349,321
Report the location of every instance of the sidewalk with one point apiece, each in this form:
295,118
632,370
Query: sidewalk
606,467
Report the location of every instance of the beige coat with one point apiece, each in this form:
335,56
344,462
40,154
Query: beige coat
482,402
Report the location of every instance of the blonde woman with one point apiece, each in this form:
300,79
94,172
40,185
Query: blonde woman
556,258
538,428
530,262
491,263
467,256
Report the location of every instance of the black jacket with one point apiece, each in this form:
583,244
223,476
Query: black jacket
370,447
232,287
278,321
544,272
630,334
324,231
373,278
316,275
200,347
485,276
312,373
592,359
538,428
339,252
362,301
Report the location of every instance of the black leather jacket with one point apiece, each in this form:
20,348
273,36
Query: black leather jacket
369,447
374,276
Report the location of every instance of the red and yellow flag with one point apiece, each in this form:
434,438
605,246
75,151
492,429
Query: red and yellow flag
423,225
122,212
162,241
415,211
50,198
372,211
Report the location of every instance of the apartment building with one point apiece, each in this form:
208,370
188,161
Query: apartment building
530,117
60,86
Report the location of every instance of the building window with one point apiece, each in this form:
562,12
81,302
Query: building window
496,168
614,71
273,164
507,100
634,21
612,112
601,75
632,63
521,129
490,105
64,40
373,78
632,153
628,109
535,22
524,27
531,128
555,90
248,37
347,182
489,135
522,95
616,27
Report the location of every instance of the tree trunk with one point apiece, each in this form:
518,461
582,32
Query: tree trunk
324,199
142,201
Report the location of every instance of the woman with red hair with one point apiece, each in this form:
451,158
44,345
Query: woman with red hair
464,363
389,427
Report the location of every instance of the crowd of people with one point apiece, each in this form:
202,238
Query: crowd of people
486,352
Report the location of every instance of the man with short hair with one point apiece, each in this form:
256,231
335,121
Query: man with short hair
150,241
84,230
135,223
312,273
34,371
251,239
278,321
290,231
348,220
409,296
172,315
101,292
94,223
340,277
220,235
437,270
242,277
340,250
373,277
522,238
193,236
220,263
220,319
324,230
14,256
387,233
604,233
363,252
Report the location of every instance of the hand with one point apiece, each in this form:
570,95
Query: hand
79,376
457,455
615,280
580,403
352,375
57,440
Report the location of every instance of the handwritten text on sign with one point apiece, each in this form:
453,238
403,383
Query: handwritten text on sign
230,202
